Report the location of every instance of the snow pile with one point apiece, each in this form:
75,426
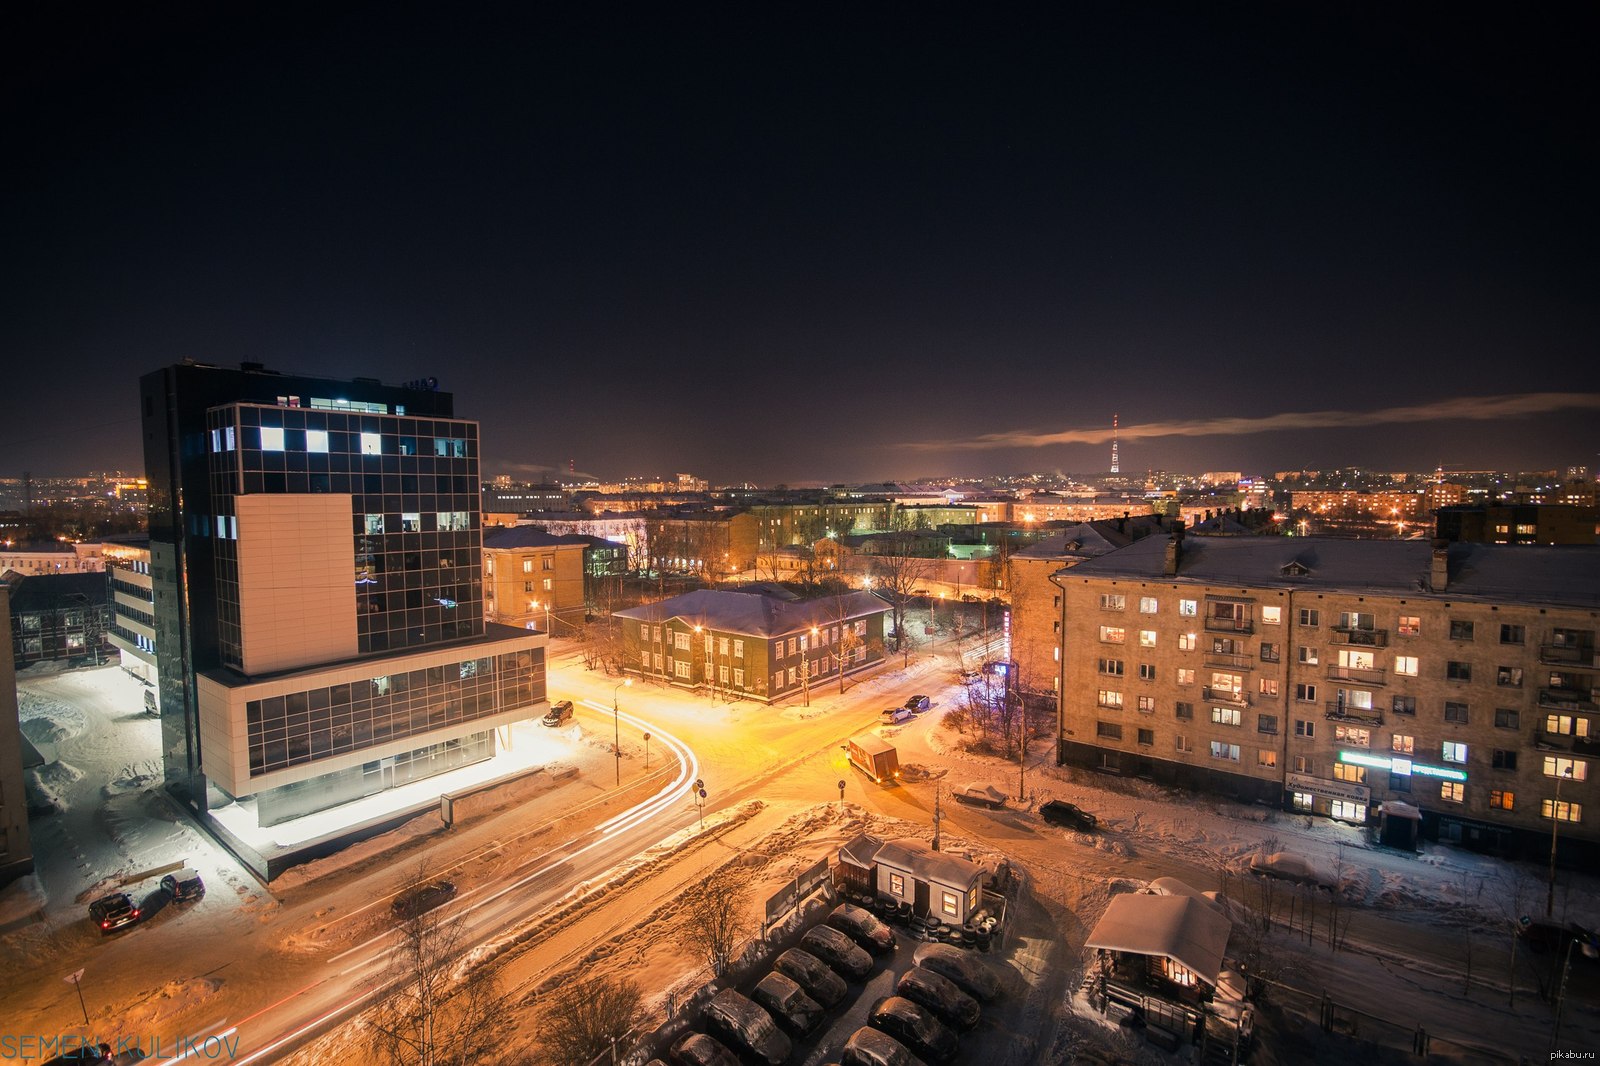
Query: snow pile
52,781
169,1000
21,900
46,720
133,777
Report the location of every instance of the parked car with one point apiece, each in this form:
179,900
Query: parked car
1293,867
922,1033
874,1047
1070,816
113,912
862,926
918,703
698,1049
894,716
838,951
741,1024
422,898
787,1002
940,995
559,712
184,885
968,974
982,796
813,975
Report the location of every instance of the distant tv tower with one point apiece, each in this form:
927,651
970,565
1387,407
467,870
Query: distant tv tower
1115,467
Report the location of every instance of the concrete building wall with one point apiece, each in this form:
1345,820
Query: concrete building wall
297,595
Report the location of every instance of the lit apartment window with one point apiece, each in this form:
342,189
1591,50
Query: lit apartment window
1113,634
1453,751
1187,641
1308,656
1405,665
272,438
1409,625
371,444
1502,801
1571,769
1148,605
1272,616
1226,752
1185,677
527,566
1147,705
1452,791
1349,734
1225,715
1269,688
1266,758
1109,698
1113,601
1343,771
1405,745
1147,638
1562,812
1189,608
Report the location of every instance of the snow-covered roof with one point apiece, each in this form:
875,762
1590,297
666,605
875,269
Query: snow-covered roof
862,851
1171,886
1080,541
507,537
1401,809
758,615
1186,930
922,861
1523,573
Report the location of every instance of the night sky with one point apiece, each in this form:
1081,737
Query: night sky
810,243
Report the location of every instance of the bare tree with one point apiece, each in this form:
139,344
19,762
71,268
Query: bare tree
718,918
899,567
591,1018
441,1011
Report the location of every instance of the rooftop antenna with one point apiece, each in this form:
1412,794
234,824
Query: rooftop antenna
1115,466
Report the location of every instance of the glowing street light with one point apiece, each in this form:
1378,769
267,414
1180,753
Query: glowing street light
616,725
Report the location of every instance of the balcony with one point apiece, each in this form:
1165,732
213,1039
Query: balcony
1359,638
1344,712
1578,655
1226,661
1567,699
1577,745
1227,696
1375,675
1229,625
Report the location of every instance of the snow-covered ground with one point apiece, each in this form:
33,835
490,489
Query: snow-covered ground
776,770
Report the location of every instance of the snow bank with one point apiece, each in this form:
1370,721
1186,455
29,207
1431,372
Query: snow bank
47,720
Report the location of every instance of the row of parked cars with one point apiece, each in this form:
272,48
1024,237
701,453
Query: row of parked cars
913,706
116,910
939,996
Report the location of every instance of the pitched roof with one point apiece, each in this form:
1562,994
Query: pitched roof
1188,930
756,614
923,861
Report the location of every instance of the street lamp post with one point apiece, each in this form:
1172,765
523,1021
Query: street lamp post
647,753
616,725
1555,826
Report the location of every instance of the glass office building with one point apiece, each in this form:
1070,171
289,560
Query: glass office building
316,562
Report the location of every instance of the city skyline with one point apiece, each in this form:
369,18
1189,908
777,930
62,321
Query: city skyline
822,247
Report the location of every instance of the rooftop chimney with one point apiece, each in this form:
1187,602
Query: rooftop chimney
1439,573
1174,550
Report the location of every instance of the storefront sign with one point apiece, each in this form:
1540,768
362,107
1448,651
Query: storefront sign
1401,765
1347,791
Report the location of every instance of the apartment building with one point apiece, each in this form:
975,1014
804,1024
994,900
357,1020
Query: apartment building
316,564
533,580
757,642
1334,676
16,846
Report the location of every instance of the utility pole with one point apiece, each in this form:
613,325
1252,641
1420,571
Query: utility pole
1022,731
938,814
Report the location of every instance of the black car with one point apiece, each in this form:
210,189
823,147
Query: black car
698,1049
113,912
1062,813
87,1053
421,899
923,1034
184,885
742,1025
918,703
788,1003
558,713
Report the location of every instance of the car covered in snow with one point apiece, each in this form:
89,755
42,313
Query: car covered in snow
895,715
113,912
838,951
965,971
560,711
698,1049
923,1034
862,926
981,796
813,975
741,1024
787,1002
1068,816
1291,866
940,996
874,1047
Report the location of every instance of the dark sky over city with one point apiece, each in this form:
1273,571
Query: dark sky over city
802,243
